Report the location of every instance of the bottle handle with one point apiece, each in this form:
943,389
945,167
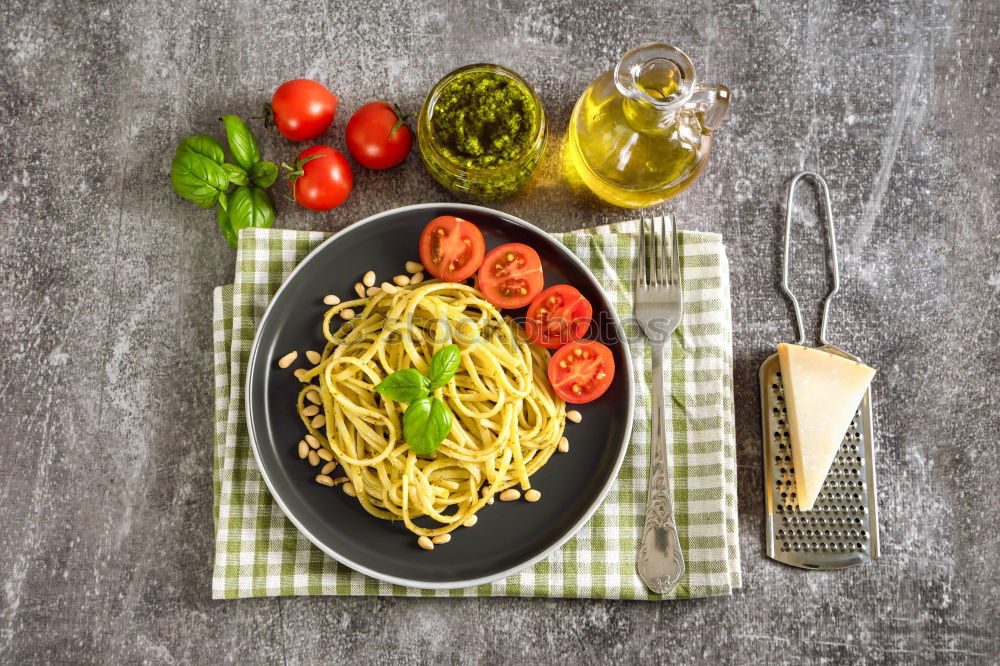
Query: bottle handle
710,103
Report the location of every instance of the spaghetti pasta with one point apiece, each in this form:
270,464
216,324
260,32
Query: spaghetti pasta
507,421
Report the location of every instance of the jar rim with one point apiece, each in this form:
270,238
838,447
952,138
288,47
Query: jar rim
427,113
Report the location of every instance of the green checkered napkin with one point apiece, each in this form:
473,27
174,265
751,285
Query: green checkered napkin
258,552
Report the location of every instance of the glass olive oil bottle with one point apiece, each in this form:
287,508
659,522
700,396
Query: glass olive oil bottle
642,132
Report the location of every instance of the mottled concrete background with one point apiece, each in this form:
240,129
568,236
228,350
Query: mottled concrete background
105,364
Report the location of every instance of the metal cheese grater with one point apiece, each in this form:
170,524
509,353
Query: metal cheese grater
842,528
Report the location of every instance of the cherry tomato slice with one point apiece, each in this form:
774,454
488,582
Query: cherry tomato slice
451,248
511,275
557,316
581,371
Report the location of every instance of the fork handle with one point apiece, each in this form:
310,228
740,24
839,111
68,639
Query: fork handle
660,562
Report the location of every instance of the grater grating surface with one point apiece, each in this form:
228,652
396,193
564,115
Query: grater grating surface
841,530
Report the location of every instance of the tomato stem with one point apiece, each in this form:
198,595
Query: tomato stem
296,171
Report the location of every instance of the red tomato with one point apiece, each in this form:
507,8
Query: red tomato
581,371
451,248
511,275
557,316
321,179
378,136
302,109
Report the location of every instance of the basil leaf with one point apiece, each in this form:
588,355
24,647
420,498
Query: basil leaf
426,423
250,207
444,365
404,386
241,141
205,145
225,225
264,173
197,178
235,174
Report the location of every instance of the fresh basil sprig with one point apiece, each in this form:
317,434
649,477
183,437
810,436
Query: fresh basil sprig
426,423
444,365
196,177
427,420
242,143
236,175
250,207
200,174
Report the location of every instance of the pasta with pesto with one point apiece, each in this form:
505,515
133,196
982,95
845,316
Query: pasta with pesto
507,421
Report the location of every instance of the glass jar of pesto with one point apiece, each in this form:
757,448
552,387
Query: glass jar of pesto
482,132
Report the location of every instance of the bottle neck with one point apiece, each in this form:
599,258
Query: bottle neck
656,81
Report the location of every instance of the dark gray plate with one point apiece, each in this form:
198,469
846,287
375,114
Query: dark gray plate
509,536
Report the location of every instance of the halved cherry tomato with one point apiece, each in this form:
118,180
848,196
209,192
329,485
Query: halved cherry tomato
557,316
451,248
581,371
511,275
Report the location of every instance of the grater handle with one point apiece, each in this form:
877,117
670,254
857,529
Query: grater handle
833,255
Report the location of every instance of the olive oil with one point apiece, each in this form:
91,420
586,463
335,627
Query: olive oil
641,133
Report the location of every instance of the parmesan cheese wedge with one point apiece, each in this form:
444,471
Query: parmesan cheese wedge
822,394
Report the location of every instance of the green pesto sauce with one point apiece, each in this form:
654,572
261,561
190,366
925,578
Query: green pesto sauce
483,120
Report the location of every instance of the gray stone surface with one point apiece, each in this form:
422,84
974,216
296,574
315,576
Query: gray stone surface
106,276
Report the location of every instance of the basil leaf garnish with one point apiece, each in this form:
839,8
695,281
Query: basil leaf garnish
404,386
205,145
197,178
242,143
236,175
264,173
444,365
426,423
225,226
250,207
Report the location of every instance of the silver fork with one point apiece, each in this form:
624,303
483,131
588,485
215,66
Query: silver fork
659,304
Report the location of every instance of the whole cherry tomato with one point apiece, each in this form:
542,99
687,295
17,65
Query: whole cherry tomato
321,178
303,109
378,136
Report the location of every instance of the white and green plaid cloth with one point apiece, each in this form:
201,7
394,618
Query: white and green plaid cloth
258,552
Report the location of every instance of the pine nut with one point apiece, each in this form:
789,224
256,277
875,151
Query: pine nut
327,468
471,520
347,313
414,267
314,357
324,455
311,410
324,480
532,495
369,278
313,397
287,359
563,445
349,490
416,278
313,458
389,288
401,280
303,449
372,291
574,416
319,421
299,373
425,543
489,501
360,289
440,539
510,495
312,441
